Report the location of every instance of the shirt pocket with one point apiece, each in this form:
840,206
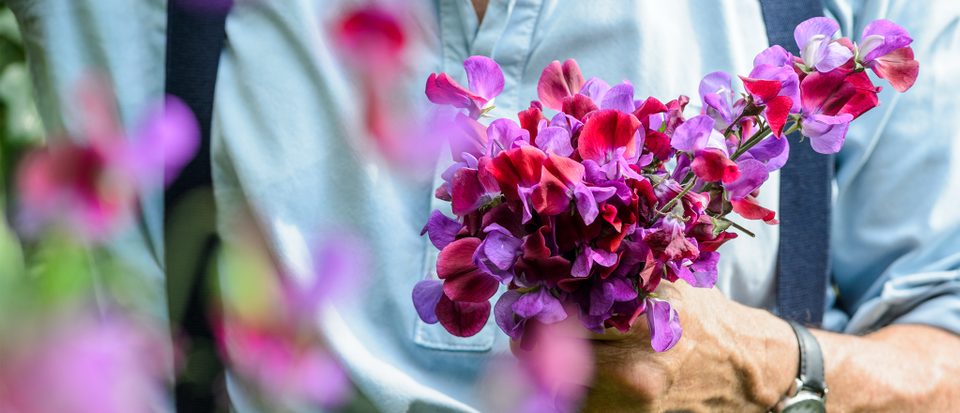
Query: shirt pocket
435,337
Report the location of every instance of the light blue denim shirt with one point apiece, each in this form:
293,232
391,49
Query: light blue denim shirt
285,143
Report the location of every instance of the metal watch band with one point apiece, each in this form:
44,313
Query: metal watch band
811,360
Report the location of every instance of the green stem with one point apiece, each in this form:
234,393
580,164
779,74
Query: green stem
755,139
742,229
669,205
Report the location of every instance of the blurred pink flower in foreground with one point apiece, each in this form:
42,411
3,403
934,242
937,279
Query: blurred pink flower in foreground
111,365
377,43
90,184
269,331
550,375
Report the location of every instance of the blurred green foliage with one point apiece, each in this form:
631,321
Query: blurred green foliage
20,129
20,125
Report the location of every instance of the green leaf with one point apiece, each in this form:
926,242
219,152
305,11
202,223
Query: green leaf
719,225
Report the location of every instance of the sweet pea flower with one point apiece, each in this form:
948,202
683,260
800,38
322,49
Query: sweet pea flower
374,38
711,161
885,49
830,101
459,300
664,323
716,93
559,82
498,252
92,187
775,89
555,136
613,140
284,368
561,183
818,49
485,81
516,172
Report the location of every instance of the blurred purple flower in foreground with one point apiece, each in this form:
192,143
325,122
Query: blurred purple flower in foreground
87,366
91,187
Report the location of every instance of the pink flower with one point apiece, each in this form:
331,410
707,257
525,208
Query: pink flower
559,82
91,187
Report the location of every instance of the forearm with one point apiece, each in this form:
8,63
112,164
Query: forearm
898,368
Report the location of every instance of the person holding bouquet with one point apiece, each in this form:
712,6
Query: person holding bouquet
310,130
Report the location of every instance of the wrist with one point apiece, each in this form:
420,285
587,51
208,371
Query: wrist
770,361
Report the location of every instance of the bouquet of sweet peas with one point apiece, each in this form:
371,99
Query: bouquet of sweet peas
586,211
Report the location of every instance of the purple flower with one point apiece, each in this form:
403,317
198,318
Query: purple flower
426,295
589,256
498,252
441,230
818,50
88,366
880,38
665,330
827,133
513,309
701,273
717,95
485,80
619,97
753,173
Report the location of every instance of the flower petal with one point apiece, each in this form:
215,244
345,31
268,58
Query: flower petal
168,140
457,258
881,37
665,330
462,319
558,82
441,89
605,132
897,67
441,229
426,295
484,76
554,140
619,97
753,173
506,317
712,165
826,133
693,134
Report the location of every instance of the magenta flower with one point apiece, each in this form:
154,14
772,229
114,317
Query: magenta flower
885,49
374,39
91,188
830,101
485,81
818,48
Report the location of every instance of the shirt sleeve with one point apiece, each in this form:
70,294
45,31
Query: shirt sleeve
123,42
896,222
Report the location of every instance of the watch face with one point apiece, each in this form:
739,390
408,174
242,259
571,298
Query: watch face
806,406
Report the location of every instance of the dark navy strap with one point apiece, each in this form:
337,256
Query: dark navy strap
805,194
195,37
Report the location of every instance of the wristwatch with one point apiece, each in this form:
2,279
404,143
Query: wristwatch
808,394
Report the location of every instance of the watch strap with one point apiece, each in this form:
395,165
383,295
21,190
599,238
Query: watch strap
811,360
